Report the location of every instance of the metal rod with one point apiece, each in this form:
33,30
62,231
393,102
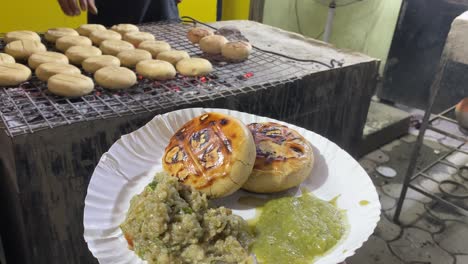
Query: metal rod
445,112
219,10
435,197
440,131
439,160
329,23
417,148
447,119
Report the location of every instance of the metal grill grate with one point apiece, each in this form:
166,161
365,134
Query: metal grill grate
30,107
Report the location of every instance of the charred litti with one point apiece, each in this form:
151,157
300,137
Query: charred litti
214,153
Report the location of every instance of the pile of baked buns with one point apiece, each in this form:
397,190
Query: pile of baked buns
218,154
111,55
214,44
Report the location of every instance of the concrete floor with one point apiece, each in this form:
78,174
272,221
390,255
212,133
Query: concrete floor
429,231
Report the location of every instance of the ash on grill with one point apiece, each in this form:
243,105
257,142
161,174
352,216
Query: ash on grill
30,107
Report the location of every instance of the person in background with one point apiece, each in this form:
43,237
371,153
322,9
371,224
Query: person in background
111,12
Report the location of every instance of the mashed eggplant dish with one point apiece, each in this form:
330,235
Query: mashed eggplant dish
172,223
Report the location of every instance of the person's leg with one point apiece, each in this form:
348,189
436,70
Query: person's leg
161,10
111,12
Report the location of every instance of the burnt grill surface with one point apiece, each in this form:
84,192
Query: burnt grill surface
30,107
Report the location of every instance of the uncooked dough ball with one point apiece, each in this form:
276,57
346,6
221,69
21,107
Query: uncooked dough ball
98,36
70,85
66,42
93,64
194,67
236,50
156,69
173,56
154,47
113,77
114,46
46,56
5,58
124,28
21,34
22,49
196,34
13,74
86,29
136,37
49,69
55,33
77,54
212,44
130,58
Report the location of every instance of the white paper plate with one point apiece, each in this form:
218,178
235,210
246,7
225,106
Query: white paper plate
131,162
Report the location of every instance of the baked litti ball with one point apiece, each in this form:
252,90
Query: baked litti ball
92,64
21,34
77,54
86,29
194,67
49,69
154,47
115,46
66,42
55,33
214,153
212,44
196,34
39,58
136,37
98,36
113,77
70,85
22,49
124,28
13,74
5,58
173,56
130,58
236,50
156,70
284,158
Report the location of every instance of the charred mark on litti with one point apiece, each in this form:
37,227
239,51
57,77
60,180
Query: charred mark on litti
227,144
180,134
204,117
297,149
174,155
199,139
224,122
273,132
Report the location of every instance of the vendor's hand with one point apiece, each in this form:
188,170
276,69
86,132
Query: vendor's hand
71,8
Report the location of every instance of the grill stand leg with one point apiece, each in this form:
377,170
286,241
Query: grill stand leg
434,90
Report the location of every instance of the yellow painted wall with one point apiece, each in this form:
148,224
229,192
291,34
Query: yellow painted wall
236,9
203,10
39,15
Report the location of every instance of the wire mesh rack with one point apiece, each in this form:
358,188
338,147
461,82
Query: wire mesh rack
29,107
453,190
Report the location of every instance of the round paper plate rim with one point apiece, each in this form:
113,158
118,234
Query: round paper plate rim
129,164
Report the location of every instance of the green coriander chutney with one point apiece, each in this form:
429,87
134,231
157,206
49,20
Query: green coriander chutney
295,230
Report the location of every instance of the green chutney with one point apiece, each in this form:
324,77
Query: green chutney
295,230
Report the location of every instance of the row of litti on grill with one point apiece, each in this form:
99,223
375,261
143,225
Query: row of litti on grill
111,55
